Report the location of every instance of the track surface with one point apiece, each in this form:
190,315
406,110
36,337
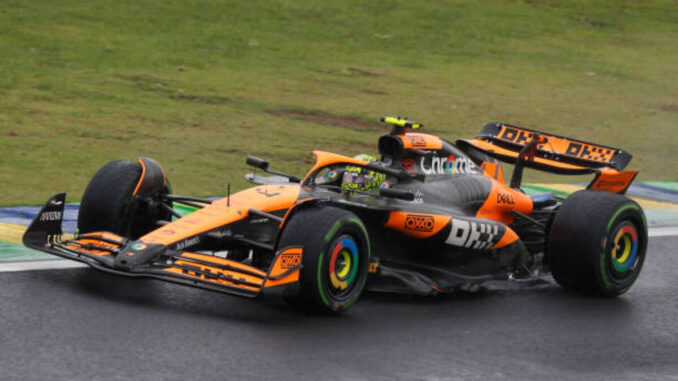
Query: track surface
85,325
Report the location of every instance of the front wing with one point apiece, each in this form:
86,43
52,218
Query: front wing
100,250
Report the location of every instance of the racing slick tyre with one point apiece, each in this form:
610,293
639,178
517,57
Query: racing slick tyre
335,258
597,243
110,203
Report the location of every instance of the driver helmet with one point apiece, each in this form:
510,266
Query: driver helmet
360,178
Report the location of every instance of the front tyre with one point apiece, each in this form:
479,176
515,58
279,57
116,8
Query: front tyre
597,243
335,259
124,197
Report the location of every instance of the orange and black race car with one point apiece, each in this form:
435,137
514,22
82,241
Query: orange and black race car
427,217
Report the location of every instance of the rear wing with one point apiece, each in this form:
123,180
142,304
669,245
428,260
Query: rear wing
556,154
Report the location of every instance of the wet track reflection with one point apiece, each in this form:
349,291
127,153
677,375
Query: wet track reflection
83,324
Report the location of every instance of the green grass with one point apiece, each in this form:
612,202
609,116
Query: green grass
199,84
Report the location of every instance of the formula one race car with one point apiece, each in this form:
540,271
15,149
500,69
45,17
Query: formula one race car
427,217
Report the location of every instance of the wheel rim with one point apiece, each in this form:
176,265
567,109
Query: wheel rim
343,266
624,250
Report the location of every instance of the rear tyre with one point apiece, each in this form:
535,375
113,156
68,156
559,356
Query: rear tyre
109,203
335,259
597,243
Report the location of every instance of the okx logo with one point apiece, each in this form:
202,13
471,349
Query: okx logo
290,258
419,222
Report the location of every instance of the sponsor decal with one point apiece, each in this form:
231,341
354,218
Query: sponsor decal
408,164
332,174
419,222
289,260
505,198
168,232
385,185
138,246
515,135
188,242
589,152
574,149
55,203
266,193
374,266
258,220
473,235
417,141
50,216
447,165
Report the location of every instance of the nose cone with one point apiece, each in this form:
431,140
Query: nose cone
135,254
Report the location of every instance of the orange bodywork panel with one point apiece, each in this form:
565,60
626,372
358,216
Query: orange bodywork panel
232,278
223,262
508,238
487,146
501,201
417,225
217,270
266,198
105,235
88,243
420,141
323,159
613,181
286,260
493,170
75,245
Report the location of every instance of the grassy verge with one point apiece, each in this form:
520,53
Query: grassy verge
199,84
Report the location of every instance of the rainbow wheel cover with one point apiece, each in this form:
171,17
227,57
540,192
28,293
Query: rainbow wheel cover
343,264
624,248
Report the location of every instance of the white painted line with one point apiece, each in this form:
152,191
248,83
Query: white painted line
663,232
40,265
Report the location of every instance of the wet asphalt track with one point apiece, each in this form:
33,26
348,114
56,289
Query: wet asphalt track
81,324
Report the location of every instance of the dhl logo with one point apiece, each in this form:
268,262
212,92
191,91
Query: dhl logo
419,222
589,152
563,146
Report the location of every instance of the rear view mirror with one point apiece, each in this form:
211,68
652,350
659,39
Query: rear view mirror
257,162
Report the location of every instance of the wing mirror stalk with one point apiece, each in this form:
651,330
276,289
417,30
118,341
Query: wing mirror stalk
263,165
